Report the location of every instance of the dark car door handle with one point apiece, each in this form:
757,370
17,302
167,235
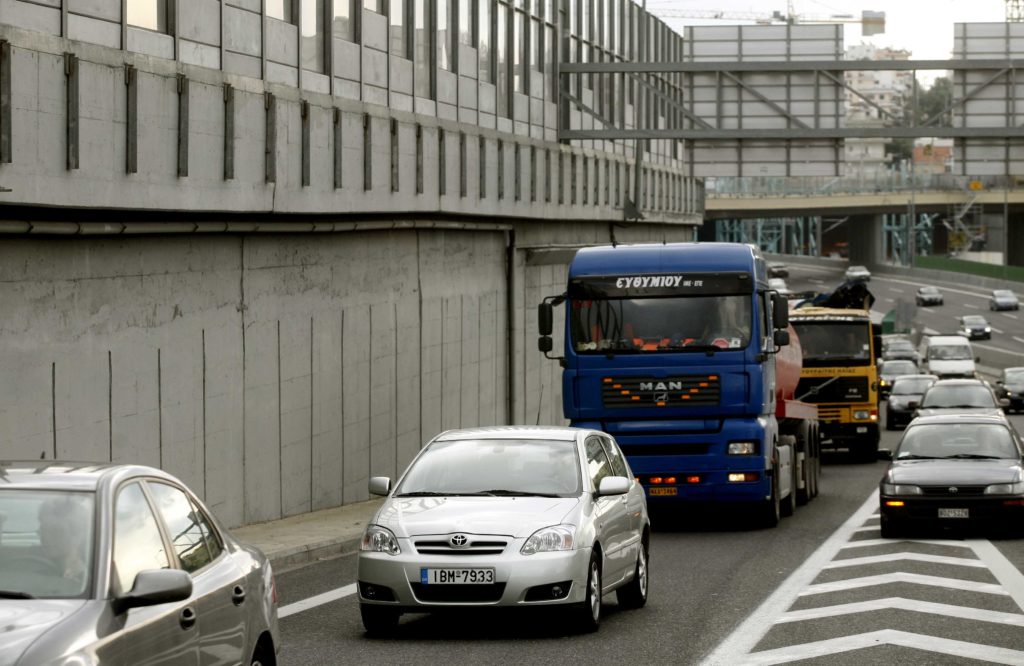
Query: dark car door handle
238,595
187,618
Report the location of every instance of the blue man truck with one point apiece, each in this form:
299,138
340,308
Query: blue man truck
685,355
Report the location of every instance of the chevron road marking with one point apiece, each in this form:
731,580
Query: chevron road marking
903,577
898,603
936,644
885,542
892,557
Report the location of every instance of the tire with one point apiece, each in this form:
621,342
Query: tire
588,615
769,511
379,620
634,593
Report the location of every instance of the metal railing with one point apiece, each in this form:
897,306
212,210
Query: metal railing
895,181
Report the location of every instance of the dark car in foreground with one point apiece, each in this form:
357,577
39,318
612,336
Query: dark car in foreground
929,296
906,391
960,396
888,371
1011,387
954,471
1003,299
122,564
975,327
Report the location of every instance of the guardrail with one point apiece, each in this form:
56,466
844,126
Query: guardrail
760,186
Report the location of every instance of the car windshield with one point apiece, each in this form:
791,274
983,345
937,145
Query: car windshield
645,325
963,396
46,544
858,269
1015,376
957,440
913,386
494,467
826,343
900,345
893,368
949,353
974,320
928,290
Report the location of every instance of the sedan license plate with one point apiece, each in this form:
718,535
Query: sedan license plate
433,576
953,513
664,491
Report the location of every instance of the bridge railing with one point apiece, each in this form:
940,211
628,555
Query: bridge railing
780,186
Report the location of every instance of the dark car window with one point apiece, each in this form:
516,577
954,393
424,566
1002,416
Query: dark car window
974,320
958,440
188,528
138,544
597,462
615,456
958,396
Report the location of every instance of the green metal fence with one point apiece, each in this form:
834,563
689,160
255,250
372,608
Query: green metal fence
1015,273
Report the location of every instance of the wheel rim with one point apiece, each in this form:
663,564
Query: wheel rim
641,571
595,592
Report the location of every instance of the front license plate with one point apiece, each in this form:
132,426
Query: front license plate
953,513
663,491
456,576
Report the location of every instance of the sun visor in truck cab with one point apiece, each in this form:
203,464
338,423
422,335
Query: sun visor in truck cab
659,285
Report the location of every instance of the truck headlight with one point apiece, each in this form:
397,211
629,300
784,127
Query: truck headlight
862,414
742,448
379,539
900,489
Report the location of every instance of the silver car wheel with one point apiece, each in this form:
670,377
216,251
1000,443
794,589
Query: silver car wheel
641,570
594,591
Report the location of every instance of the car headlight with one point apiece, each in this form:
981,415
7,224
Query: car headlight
882,382
988,329
900,489
1005,489
550,539
377,539
742,448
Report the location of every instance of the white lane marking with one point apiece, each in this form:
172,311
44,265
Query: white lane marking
928,310
1007,314
1020,340
750,632
889,300
972,306
903,577
816,281
898,603
996,330
916,557
318,600
869,528
898,291
1001,568
886,542
932,644
996,349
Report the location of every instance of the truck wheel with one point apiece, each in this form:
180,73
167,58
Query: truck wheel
788,505
803,495
769,510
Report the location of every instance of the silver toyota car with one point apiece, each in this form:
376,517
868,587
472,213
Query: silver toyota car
121,564
507,517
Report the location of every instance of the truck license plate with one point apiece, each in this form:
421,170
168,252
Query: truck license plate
953,513
456,576
663,491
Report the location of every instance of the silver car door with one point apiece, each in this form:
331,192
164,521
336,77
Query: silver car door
633,500
161,634
610,515
218,585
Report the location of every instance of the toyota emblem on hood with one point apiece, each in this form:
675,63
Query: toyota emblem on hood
459,541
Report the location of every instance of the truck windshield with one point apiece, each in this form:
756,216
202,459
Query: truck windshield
652,325
827,343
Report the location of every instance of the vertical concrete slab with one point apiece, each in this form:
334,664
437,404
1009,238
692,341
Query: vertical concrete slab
296,414
431,364
181,408
488,366
328,432
26,413
383,371
451,363
82,411
262,421
470,380
408,377
225,460
356,400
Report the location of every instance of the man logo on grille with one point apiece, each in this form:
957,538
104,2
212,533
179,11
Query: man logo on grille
459,541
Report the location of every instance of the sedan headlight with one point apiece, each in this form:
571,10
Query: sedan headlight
742,448
988,329
377,539
550,539
1005,489
900,489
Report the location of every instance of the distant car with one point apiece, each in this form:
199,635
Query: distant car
778,269
779,285
888,371
1003,299
1011,387
906,390
960,396
929,296
509,517
954,471
901,349
975,327
122,564
858,274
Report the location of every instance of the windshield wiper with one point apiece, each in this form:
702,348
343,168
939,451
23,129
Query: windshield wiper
13,594
957,407
974,456
516,493
913,456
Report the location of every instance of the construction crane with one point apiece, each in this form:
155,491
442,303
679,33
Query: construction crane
872,23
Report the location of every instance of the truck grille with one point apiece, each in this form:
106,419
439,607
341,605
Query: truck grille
458,593
831,414
668,392
828,389
474,547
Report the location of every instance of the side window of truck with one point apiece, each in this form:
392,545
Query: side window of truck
618,463
597,462
766,322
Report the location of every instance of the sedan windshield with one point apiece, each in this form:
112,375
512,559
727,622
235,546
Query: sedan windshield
46,544
1002,293
911,386
957,440
494,467
975,320
928,291
1015,376
893,368
958,396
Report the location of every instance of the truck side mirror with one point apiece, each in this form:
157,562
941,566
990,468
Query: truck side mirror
878,345
780,311
781,337
544,344
545,317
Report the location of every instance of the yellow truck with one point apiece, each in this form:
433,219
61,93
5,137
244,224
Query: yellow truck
840,348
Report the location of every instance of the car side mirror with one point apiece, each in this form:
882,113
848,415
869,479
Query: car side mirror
913,404
781,338
884,454
380,485
613,485
1004,403
155,586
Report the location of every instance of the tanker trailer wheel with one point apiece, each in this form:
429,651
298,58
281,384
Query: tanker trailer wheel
815,448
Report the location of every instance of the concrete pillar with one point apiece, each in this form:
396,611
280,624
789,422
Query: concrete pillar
1015,239
865,238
